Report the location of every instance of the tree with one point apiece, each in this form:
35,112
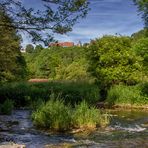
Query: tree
139,35
12,64
58,63
112,61
143,9
38,48
58,16
29,48
141,49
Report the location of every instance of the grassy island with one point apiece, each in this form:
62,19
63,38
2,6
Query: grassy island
55,115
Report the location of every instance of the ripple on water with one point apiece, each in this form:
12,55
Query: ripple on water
130,132
137,128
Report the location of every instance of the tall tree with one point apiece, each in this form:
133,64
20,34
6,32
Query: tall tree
29,48
12,64
143,9
112,61
58,16
140,34
141,49
38,48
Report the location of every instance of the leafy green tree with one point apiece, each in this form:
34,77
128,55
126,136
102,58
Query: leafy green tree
38,48
141,49
57,16
112,61
12,64
143,9
139,35
29,48
59,64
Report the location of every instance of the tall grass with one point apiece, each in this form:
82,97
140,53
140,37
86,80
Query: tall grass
24,93
85,116
122,95
55,115
6,107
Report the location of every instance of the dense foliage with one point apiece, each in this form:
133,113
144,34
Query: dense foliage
112,61
12,63
59,63
128,95
141,49
24,94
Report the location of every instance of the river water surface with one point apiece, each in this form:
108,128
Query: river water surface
128,129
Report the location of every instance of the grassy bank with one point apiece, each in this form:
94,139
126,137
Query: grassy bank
56,116
128,96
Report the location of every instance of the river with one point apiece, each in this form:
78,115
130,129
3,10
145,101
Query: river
128,129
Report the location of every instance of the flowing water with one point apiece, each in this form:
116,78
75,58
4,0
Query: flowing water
128,129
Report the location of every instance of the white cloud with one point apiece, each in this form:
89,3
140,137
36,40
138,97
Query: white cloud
105,17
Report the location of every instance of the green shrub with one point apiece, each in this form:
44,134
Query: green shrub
55,115
87,117
123,95
6,107
144,89
18,92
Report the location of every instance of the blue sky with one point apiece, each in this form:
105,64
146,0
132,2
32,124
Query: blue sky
105,17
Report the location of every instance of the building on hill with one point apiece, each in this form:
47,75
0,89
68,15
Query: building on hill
62,44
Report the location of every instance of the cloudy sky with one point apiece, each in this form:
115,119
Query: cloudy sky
105,17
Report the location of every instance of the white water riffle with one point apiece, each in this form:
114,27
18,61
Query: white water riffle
136,128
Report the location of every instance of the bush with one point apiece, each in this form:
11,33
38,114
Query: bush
123,95
17,92
6,107
144,89
54,115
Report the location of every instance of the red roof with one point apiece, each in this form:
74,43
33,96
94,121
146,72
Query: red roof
38,80
62,44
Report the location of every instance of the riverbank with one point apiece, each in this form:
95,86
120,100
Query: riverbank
106,105
130,107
